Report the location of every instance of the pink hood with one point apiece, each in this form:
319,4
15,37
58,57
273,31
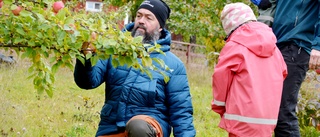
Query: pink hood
263,44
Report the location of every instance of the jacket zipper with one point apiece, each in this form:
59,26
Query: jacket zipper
297,14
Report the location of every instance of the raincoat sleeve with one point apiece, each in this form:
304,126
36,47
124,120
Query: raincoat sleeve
316,41
229,62
179,103
90,77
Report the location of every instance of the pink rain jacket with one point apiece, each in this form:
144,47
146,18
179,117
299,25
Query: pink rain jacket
247,82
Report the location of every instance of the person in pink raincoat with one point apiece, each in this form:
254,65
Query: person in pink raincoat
248,78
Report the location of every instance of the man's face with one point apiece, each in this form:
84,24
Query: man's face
147,26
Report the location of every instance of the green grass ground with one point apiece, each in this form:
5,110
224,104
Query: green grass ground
73,112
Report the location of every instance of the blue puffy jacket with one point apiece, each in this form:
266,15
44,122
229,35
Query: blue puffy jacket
256,2
128,92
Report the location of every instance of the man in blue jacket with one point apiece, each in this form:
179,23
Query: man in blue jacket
135,105
297,28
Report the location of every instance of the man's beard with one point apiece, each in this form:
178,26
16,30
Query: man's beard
147,37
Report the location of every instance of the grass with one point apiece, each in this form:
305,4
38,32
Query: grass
74,112
26,113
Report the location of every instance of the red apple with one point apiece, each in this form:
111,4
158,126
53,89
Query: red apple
57,6
1,3
318,71
17,11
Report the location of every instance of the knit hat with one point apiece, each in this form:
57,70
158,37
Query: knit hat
235,14
159,8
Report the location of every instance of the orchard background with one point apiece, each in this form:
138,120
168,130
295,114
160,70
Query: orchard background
46,36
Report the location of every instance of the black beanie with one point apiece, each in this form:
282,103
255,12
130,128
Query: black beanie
159,8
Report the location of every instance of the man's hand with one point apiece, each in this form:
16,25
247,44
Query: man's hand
264,4
87,47
314,62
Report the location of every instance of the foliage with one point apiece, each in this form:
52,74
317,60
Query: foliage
42,35
308,109
201,19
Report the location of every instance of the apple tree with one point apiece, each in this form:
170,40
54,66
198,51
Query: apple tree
51,34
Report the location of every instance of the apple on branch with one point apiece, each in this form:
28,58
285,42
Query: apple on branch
16,10
1,3
57,6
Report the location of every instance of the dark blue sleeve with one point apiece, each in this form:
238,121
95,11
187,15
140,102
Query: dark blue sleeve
89,77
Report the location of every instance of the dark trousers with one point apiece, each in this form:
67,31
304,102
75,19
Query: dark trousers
297,61
140,128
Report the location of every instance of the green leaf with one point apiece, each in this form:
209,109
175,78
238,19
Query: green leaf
61,15
121,60
128,60
61,36
166,77
146,61
109,51
53,59
44,27
148,73
25,13
159,61
50,93
115,63
94,60
82,60
66,27
110,42
55,67
20,31
13,7
70,66
43,48
18,40
41,18
69,20
65,58
88,55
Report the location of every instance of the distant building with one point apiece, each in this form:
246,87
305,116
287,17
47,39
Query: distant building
94,5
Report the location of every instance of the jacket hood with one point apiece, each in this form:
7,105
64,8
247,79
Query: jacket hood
257,37
164,41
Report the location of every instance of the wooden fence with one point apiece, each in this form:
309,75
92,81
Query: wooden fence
189,49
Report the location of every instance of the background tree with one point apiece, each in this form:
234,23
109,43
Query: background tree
52,35
197,21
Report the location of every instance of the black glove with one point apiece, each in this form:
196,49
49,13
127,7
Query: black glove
264,4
